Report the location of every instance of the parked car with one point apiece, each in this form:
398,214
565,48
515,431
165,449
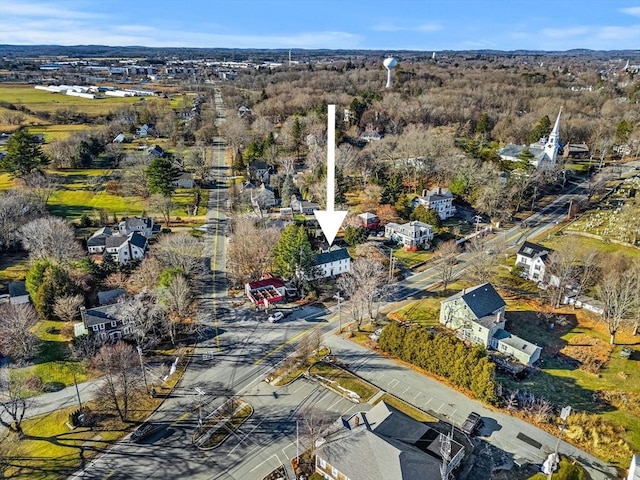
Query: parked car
472,423
145,430
276,317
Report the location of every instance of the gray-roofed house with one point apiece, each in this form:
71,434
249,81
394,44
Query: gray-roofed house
144,226
185,180
263,197
96,242
258,170
156,151
107,297
334,262
383,444
533,259
101,321
438,199
123,248
478,315
18,293
412,234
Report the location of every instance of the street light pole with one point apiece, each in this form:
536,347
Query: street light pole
564,414
338,297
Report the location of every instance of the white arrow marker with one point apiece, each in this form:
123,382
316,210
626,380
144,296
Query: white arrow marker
330,220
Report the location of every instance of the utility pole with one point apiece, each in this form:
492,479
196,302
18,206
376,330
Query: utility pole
144,374
392,262
338,297
564,414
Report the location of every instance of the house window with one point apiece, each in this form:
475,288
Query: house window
334,472
503,347
113,324
95,328
323,464
102,326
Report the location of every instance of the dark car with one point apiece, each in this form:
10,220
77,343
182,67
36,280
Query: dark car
145,430
472,423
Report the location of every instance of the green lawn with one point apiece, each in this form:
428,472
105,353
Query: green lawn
43,101
13,268
6,182
406,408
58,132
411,259
344,379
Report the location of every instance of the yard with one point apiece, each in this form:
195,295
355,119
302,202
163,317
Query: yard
341,377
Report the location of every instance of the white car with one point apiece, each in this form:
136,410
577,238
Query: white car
276,317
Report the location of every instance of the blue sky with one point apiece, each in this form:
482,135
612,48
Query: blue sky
350,24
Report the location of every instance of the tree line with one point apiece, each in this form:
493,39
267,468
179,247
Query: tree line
444,356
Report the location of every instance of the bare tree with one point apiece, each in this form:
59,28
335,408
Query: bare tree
182,251
249,253
314,424
483,259
50,238
146,276
636,297
14,402
617,290
42,185
446,256
197,160
16,209
365,286
67,308
561,270
16,339
134,180
118,363
164,204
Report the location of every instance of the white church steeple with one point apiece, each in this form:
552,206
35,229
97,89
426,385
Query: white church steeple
553,143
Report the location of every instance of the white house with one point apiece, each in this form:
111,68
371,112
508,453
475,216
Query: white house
123,248
477,315
18,293
545,151
142,225
438,199
263,197
334,262
532,258
412,234
304,206
96,243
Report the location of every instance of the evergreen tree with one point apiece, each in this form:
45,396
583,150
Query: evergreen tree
403,205
24,155
623,130
161,176
293,257
354,235
427,215
542,129
288,189
392,190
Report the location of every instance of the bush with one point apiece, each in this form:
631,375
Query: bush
33,383
442,355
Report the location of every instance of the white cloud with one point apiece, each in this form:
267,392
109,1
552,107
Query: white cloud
30,10
635,11
429,27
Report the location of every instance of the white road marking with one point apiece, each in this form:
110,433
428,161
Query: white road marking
393,383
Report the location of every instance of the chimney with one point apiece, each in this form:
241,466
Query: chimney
424,192
499,317
357,420
439,190
83,314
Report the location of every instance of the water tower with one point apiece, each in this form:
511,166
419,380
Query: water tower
389,63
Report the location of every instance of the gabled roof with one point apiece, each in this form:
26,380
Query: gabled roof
258,165
332,256
115,241
108,296
367,216
98,315
275,282
482,300
383,446
514,342
138,240
17,289
533,250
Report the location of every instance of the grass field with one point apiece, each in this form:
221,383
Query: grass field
344,379
57,132
405,408
13,268
411,259
43,101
